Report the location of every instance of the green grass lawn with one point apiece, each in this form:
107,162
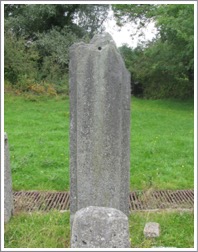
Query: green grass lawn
162,143
161,158
51,230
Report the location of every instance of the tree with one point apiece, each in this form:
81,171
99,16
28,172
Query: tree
53,49
30,19
165,66
49,30
131,58
20,60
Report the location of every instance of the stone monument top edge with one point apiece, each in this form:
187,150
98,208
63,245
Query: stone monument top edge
102,39
98,40
5,136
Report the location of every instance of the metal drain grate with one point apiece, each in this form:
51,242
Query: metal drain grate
163,199
138,200
40,201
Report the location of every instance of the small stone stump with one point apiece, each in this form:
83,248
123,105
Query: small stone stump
100,227
152,230
8,196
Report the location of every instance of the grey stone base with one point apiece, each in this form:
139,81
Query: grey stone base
100,227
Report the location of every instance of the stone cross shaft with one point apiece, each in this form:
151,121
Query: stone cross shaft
99,126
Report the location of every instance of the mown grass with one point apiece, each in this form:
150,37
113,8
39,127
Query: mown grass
38,134
161,143
161,158
51,230
37,230
176,229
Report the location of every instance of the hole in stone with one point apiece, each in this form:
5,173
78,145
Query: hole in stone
84,242
99,48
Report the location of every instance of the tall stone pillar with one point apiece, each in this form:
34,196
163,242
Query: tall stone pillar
99,126
8,195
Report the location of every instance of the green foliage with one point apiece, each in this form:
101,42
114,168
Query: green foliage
176,26
139,14
20,60
38,37
131,58
92,16
165,66
53,49
38,18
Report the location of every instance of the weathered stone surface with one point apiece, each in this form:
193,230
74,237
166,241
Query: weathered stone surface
8,196
99,126
152,229
100,227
